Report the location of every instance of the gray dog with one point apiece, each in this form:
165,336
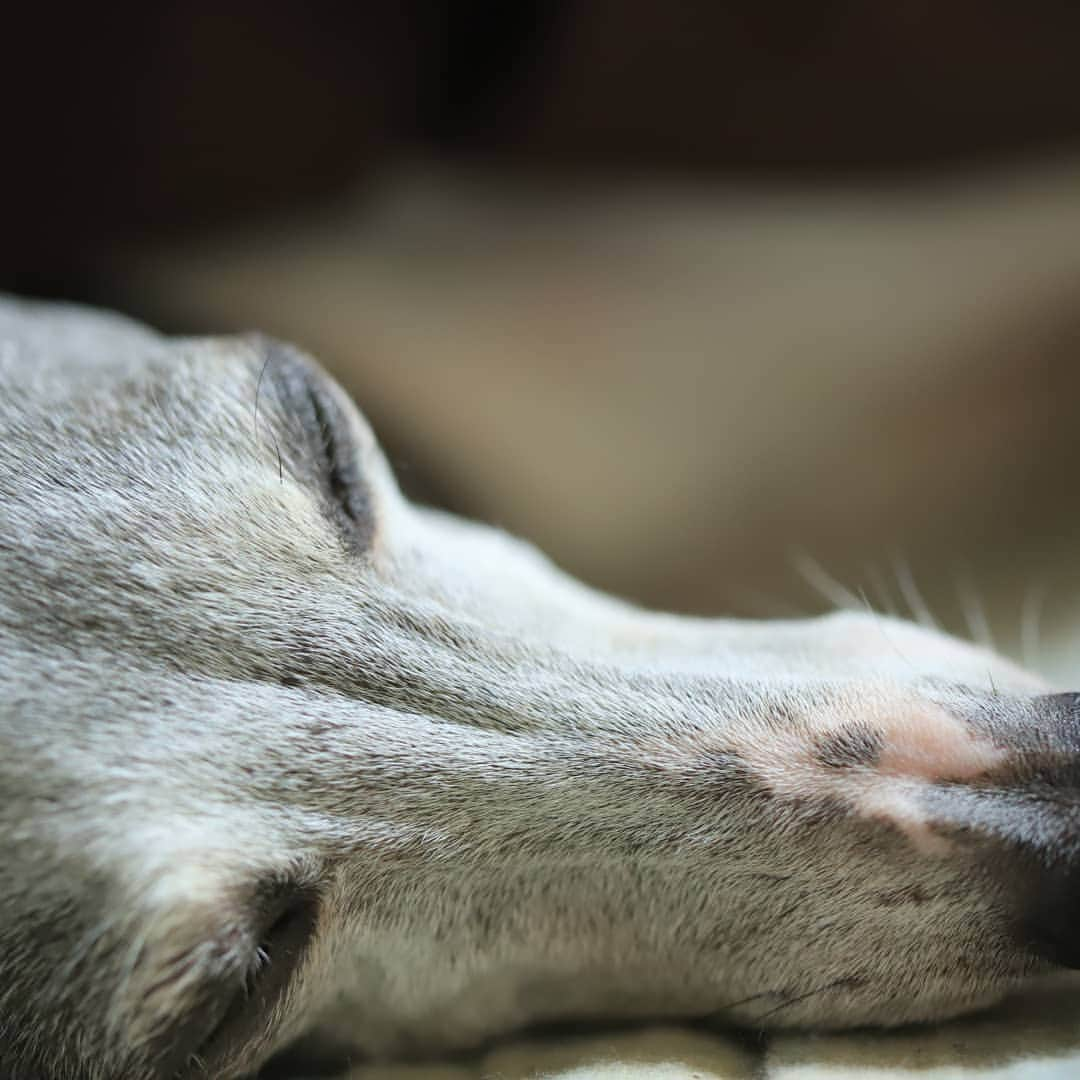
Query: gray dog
284,755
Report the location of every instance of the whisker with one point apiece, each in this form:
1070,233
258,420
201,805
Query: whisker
879,622
870,609
1031,609
255,417
796,999
258,391
974,612
822,582
882,592
909,590
719,1013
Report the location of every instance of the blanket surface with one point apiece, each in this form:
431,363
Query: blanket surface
1036,1037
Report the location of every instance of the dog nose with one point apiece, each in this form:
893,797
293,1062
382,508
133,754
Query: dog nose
1053,923
1060,713
1068,703
1022,818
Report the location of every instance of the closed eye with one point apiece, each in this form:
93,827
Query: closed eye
283,932
320,446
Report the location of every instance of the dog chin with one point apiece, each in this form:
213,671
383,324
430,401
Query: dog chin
897,1014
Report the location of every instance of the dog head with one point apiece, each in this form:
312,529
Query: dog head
282,753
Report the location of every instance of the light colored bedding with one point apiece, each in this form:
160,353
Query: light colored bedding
1033,1038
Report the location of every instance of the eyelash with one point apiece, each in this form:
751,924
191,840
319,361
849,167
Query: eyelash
328,458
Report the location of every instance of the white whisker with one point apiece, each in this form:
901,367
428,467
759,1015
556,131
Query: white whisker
1031,609
878,582
974,612
822,582
879,622
914,599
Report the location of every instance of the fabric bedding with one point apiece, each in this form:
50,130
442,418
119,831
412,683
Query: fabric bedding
1036,1037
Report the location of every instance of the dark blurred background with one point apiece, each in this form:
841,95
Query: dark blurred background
707,298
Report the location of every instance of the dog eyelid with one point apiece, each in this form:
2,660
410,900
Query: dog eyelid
326,455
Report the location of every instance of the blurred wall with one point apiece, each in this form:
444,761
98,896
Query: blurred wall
145,120
678,290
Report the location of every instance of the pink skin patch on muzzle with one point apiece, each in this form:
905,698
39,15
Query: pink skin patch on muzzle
915,744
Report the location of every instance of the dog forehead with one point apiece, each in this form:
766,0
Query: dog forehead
123,440
69,335
117,389
141,502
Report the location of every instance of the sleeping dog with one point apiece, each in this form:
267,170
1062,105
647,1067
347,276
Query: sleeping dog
283,755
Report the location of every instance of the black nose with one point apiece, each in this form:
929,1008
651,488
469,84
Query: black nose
1068,703
1052,926
1053,922
1060,714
